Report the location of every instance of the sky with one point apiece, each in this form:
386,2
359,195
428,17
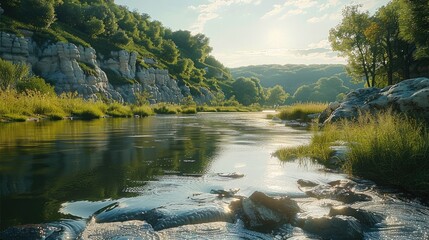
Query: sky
254,32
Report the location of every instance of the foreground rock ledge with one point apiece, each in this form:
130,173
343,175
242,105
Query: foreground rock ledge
409,96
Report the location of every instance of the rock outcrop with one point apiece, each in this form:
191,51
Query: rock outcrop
72,68
409,97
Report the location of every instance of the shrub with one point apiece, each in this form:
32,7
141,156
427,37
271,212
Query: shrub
36,84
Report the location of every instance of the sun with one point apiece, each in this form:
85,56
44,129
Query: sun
275,37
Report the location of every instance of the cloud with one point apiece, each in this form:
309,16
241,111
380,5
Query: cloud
315,55
329,4
210,11
317,19
290,8
321,44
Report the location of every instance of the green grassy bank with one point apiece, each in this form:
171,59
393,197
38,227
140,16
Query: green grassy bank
387,148
22,106
301,111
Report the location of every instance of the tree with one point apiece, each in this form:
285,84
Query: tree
246,91
276,95
94,27
70,13
39,13
414,24
120,37
169,51
355,38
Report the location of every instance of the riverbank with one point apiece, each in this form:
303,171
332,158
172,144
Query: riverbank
388,148
33,105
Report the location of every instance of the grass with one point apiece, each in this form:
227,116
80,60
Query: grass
142,111
301,111
88,69
163,108
387,148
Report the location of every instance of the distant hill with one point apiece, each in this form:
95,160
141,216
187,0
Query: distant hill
292,76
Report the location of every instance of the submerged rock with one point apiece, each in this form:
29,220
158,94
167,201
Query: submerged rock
231,175
306,183
340,190
409,97
339,227
263,213
223,193
364,217
67,229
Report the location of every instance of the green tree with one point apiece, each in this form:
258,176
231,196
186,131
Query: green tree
39,13
303,93
356,38
169,51
70,13
276,95
414,24
120,37
94,27
246,91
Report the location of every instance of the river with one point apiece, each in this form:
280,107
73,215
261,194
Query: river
51,171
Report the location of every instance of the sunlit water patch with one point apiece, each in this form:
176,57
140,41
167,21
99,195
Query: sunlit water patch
118,174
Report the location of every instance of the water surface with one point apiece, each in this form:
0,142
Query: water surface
70,169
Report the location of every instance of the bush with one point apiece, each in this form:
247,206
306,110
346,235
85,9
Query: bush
35,84
11,73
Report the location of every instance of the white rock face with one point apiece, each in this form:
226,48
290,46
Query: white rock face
409,96
63,65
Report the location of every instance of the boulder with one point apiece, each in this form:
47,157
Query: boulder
340,190
339,227
263,213
366,218
306,183
409,97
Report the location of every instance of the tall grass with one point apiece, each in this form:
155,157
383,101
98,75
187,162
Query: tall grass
301,111
388,148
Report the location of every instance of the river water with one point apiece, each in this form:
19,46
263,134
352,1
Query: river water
52,171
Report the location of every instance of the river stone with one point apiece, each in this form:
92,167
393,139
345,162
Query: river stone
339,190
410,97
365,217
263,213
338,227
306,183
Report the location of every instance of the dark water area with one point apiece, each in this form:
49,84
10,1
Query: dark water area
51,171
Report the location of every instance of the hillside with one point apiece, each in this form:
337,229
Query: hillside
105,51
302,82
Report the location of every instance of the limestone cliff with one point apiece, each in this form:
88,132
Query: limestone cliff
72,68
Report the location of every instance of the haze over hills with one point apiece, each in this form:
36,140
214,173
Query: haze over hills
293,76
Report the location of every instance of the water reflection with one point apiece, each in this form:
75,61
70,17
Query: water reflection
44,164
